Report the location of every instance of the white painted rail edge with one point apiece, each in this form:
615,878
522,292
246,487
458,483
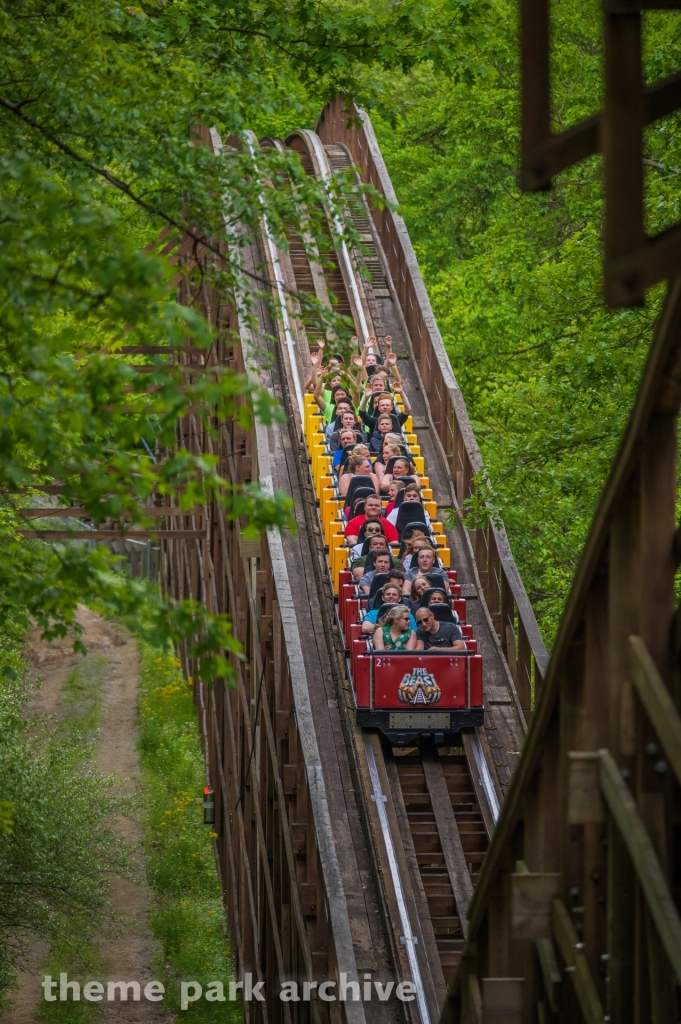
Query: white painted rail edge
280,287
485,776
408,938
338,911
349,275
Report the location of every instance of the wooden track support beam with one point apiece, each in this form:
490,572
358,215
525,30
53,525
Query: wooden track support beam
594,805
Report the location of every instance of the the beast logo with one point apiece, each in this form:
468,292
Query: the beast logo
419,687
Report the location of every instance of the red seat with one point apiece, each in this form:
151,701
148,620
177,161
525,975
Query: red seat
351,616
361,679
346,593
354,632
476,681
357,648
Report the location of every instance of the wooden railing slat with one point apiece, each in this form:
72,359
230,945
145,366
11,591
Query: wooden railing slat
572,951
648,869
657,701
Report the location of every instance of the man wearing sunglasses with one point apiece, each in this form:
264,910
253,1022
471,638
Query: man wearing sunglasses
439,635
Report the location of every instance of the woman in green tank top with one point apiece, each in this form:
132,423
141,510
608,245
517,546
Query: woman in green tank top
394,632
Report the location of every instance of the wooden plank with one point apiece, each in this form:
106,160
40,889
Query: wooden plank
414,891
585,804
455,858
658,896
560,151
478,787
572,951
161,534
531,895
657,701
474,999
661,366
546,955
72,512
623,153
502,1000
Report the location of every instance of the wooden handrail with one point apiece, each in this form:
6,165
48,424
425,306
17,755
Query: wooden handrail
642,852
502,585
657,701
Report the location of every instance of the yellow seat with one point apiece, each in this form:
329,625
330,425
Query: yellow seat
412,439
328,505
445,557
317,452
339,562
315,427
431,508
311,427
333,529
323,474
420,464
323,481
408,427
436,527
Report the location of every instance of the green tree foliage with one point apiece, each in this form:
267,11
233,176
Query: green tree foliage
547,371
57,848
99,103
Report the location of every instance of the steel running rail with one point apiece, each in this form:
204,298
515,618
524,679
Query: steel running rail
252,142
320,153
380,799
278,275
485,776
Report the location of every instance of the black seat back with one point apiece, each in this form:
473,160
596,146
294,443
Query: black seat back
399,497
443,613
427,594
362,535
410,516
384,609
365,545
435,581
376,584
348,450
358,485
411,528
391,462
369,564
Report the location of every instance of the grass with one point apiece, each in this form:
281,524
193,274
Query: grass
76,952
188,916
81,702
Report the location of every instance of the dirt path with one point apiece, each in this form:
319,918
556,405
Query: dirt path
127,956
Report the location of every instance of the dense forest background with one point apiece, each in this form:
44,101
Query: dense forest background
547,371
98,103
99,170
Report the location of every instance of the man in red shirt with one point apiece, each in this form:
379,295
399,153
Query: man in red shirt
373,509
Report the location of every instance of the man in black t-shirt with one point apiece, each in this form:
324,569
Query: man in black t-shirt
440,635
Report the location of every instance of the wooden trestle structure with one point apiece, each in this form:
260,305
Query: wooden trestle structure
573,914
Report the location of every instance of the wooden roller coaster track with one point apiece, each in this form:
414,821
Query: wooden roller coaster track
341,857
522,889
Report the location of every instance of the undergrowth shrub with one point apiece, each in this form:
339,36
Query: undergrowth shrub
188,915
60,846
